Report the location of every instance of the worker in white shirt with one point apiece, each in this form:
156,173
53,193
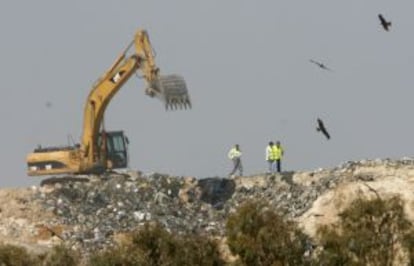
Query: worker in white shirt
235,155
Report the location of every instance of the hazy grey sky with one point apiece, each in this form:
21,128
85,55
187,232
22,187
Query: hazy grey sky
247,68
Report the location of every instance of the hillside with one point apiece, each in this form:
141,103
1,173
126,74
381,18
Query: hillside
96,212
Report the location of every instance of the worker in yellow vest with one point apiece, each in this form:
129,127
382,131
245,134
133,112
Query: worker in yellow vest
271,157
235,155
278,154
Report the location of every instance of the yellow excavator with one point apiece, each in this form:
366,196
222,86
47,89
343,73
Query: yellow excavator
100,150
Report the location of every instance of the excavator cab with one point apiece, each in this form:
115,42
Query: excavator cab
116,148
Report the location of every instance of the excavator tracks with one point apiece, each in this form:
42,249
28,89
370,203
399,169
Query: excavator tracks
50,181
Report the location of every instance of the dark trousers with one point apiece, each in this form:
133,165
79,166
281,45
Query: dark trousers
237,165
279,165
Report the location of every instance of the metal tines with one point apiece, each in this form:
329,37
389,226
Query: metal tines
174,91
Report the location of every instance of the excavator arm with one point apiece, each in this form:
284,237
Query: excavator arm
96,104
171,89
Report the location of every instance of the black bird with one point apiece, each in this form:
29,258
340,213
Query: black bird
321,65
321,127
385,24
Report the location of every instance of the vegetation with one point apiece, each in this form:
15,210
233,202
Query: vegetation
119,256
61,256
371,232
16,256
153,245
259,236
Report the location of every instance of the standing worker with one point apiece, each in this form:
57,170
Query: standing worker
279,152
235,155
271,157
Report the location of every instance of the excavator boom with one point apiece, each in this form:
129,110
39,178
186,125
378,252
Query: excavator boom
100,150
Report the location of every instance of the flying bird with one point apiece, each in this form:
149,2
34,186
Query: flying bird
321,128
385,24
319,64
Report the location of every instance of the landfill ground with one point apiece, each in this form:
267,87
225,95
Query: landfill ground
94,213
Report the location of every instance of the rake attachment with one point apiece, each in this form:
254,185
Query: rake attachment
172,90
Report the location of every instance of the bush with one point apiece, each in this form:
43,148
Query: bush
61,256
16,256
153,245
120,256
409,244
370,232
262,237
164,248
197,250
155,242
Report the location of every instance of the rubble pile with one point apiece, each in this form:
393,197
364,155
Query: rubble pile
293,198
93,211
90,211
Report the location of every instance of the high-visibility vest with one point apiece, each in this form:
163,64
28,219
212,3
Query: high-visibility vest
270,153
234,153
278,152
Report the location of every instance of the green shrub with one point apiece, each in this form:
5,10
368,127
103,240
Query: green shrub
120,256
156,243
370,232
409,244
164,248
153,245
16,256
197,250
260,236
61,256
